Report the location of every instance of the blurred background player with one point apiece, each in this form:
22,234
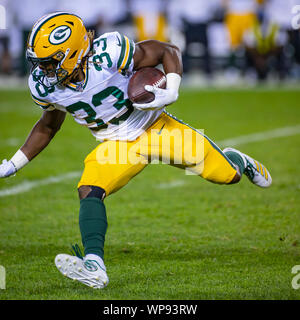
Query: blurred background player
264,45
213,35
279,13
266,39
270,44
240,17
193,17
149,18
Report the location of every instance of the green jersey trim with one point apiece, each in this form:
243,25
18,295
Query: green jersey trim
127,48
39,102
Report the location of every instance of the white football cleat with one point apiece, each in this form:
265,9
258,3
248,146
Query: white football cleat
86,271
255,171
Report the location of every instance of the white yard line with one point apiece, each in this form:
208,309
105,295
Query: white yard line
255,137
28,185
171,184
261,136
11,142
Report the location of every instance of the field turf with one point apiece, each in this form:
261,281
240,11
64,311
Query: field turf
170,236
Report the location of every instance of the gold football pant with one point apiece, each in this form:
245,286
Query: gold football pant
112,164
237,25
159,32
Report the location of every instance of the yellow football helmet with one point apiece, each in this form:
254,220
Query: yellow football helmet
60,38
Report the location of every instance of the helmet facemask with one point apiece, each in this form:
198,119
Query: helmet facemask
48,77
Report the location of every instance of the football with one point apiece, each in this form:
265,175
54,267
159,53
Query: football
145,76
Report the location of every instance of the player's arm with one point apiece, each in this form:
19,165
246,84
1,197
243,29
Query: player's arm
42,133
151,53
40,136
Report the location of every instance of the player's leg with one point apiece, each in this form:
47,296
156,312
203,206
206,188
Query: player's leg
228,166
182,146
243,164
210,161
100,178
216,166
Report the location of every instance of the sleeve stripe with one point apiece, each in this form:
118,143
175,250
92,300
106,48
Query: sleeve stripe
130,55
126,53
123,46
39,102
40,105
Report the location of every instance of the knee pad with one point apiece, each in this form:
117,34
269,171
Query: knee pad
91,192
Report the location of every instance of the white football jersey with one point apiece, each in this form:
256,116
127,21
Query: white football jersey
101,102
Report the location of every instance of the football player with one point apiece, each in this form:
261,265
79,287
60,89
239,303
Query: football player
88,78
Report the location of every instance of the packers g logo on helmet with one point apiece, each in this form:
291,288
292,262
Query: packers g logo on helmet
60,35
59,38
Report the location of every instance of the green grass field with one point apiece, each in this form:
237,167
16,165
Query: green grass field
193,240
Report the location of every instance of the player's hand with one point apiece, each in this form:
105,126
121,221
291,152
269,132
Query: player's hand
163,97
7,169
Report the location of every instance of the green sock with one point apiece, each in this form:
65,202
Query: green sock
236,159
93,225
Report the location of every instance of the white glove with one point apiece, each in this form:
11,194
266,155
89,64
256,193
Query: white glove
163,97
10,167
7,168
